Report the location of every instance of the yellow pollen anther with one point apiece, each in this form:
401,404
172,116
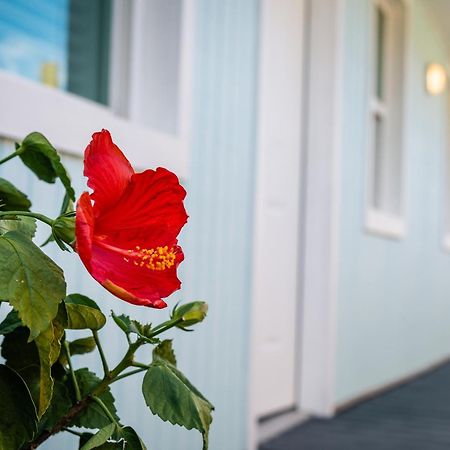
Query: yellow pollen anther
159,258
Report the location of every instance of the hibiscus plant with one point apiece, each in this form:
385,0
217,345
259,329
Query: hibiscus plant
125,233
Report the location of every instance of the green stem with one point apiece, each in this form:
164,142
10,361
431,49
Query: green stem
11,156
128,374
37,216
106,410
80,406
141,365
102,354
126,362
72,373
166,326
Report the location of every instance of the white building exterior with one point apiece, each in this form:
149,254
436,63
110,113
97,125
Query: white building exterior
317,168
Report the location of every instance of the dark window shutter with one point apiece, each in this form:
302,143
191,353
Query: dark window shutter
89,44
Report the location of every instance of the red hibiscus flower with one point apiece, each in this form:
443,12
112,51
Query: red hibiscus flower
126,230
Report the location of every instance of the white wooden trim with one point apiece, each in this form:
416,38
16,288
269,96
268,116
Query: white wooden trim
186,70
321,276
322,211
384,224
138,11
277,425
378,107
119,76
278,183
69,120
446,242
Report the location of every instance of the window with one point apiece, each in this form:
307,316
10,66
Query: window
33,40
385,202
131,58
148,39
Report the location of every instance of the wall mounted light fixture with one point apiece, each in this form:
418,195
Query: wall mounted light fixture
435,79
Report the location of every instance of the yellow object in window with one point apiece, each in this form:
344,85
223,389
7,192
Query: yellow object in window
49,74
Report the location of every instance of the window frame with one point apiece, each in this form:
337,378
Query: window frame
69,120
446,185
377,220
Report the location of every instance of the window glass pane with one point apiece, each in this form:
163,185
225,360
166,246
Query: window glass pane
33,39
62,43
89,39
380,52
158,66
379,157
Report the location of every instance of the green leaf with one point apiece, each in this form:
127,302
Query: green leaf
100,437
59,406
17,412
132,440
165,351
93,416
82,346
18,352
82,313
170,395
122,439
34,360
10,323
42,158
11,199
24,225
31,281
106,446
48,344
78,347
128,325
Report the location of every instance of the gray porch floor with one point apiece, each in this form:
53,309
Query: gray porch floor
414,416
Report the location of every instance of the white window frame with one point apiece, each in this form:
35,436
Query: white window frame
446,186
69,120
377,220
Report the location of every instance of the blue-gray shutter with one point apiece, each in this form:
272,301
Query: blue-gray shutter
89,43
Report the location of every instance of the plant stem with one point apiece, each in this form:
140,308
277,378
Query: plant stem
11,156
61,424
72,373
102,354
80,406
37,216
128,374
141,365
166,326
105,410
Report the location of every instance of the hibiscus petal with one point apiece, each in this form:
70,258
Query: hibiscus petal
133,283
152,205
84,227
130,298
107,169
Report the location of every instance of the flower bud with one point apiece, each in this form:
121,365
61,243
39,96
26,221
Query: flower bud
190,313
64,229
